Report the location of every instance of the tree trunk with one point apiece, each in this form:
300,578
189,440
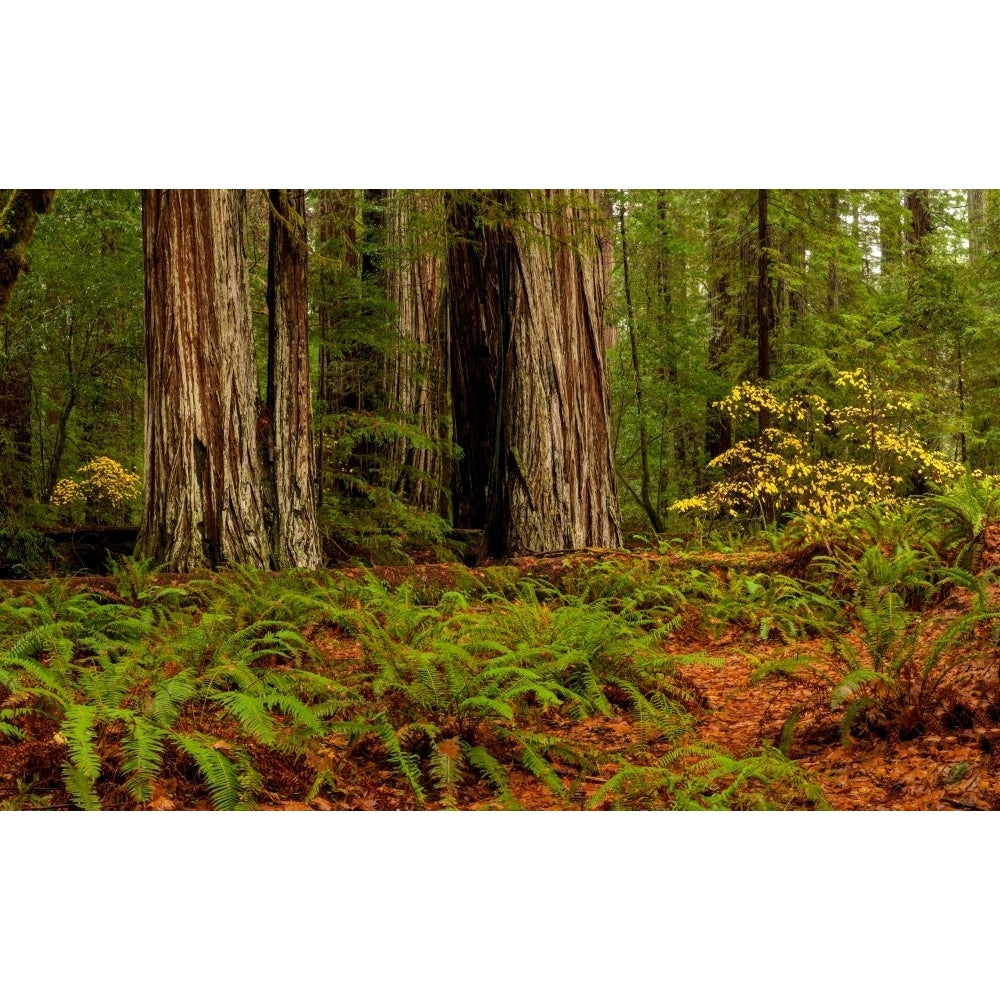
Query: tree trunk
417,379
18,221
15,431
918,205
338,242
203,502
832,272
644,490
721,307
890,232
287,443
474,316
765,307
552,483
976,209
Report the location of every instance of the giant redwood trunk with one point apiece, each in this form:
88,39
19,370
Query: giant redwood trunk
288,454
545,270
203,501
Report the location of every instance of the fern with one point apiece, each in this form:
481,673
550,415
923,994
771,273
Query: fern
143,757
491,769
84,766
230,787
406,763
252,714
446,770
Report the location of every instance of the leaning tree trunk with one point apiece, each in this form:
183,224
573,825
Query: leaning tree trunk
203,503
289,452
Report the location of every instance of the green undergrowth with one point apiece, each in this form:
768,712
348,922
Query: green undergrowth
493,689
457,697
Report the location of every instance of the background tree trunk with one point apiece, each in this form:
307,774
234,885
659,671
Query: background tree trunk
644,487
203,503
287,442
417,380
18,221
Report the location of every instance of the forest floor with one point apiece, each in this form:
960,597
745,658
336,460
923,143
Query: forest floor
943,755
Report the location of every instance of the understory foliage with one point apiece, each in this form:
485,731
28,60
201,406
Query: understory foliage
445,689
895,662
816,459
101,492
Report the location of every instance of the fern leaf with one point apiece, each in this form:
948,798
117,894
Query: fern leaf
221,777
404,761
852,712
788,730
252,714
542,770
847,687
491,769
79,730
789,666
484,706
143,756
446,770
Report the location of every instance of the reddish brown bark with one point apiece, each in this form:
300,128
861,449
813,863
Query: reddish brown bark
534,340
203,502
288,451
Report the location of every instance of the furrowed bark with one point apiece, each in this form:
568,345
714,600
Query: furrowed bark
417,379
554,467
285,430
203,503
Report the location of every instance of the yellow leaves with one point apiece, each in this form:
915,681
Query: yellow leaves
107,485
66,492
781,470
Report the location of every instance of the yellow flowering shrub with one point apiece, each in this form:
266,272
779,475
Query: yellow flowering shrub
106,491
784,470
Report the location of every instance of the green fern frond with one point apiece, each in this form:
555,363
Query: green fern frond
79,731
170,696
788,730
540,768
788,666
405,762
491,769
81,788
483,707
848,686
446,770
223,779
143,756
252,714
853,710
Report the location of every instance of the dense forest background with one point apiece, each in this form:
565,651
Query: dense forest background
854,312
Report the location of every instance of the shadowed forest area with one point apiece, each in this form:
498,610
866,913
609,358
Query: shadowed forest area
499,499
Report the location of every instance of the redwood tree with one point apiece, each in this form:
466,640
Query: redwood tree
535,343
203,501
286,427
